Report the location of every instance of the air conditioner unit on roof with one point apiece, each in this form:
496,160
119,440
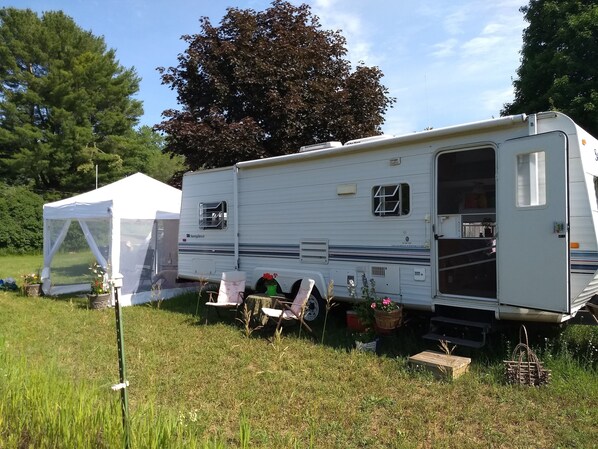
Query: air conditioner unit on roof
320,146
368,139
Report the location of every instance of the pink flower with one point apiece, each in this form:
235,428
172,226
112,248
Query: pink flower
386,301
373,306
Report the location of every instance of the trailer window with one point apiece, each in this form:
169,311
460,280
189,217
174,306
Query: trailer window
213,215
531,179
390,200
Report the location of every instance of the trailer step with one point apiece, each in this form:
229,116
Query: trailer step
455,340
458,331
458,322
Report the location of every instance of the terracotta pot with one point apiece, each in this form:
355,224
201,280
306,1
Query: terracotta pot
99,301
353,321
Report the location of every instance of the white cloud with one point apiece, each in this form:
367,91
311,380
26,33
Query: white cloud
324,4
444,49
493,100
445,62
454,22
487,46
493,28
352,28
398,125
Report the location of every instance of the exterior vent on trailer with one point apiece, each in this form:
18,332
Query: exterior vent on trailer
320,146
313,251
379,271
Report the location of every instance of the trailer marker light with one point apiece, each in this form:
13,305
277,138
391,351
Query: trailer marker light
574,245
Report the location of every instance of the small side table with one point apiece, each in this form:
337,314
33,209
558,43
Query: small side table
255,302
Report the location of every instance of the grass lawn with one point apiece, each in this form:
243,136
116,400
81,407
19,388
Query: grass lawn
297,392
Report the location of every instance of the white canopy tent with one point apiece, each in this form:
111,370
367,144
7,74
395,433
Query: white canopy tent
129,227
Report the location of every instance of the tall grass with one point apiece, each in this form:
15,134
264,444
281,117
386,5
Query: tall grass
40,408
213,386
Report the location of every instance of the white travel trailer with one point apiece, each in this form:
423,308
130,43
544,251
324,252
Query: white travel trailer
498,216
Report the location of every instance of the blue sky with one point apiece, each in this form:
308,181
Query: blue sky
446,61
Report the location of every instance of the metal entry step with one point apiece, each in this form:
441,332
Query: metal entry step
458,331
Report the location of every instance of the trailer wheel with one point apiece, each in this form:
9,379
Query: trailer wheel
315,308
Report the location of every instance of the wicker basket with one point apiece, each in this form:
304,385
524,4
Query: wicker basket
525,368
389,320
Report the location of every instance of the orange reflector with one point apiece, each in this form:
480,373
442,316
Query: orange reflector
574,245
583,141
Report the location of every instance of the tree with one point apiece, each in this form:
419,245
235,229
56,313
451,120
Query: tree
148,155
264,84
66,105
558,68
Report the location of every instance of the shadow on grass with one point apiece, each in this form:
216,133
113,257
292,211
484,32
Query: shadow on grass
401,343
78,300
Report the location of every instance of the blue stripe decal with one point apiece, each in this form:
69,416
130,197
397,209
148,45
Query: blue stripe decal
389,254
581,261
222,249
417,256
280,251
586,261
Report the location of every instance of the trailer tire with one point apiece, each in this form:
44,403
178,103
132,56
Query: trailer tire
315,308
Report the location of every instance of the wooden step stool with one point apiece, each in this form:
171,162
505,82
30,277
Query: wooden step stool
441,364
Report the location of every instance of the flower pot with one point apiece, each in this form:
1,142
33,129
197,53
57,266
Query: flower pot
386,321
32,289
369,346
271,289
353,321
99,301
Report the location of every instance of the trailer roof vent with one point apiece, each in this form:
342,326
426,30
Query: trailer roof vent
320,146
368,139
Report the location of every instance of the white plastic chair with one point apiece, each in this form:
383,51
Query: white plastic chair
231,292
292,311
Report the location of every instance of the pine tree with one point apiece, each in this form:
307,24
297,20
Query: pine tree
66,105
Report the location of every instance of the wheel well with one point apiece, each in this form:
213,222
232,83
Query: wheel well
295,289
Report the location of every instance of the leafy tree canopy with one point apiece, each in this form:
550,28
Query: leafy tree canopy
147,154
264,84
66,105
558,66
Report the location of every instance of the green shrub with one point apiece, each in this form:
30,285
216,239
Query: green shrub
21,215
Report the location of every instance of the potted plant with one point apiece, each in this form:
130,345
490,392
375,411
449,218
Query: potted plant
362,316
99,297
32,284
388,314
366,340
270,283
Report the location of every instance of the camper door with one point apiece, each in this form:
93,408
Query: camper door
533,220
